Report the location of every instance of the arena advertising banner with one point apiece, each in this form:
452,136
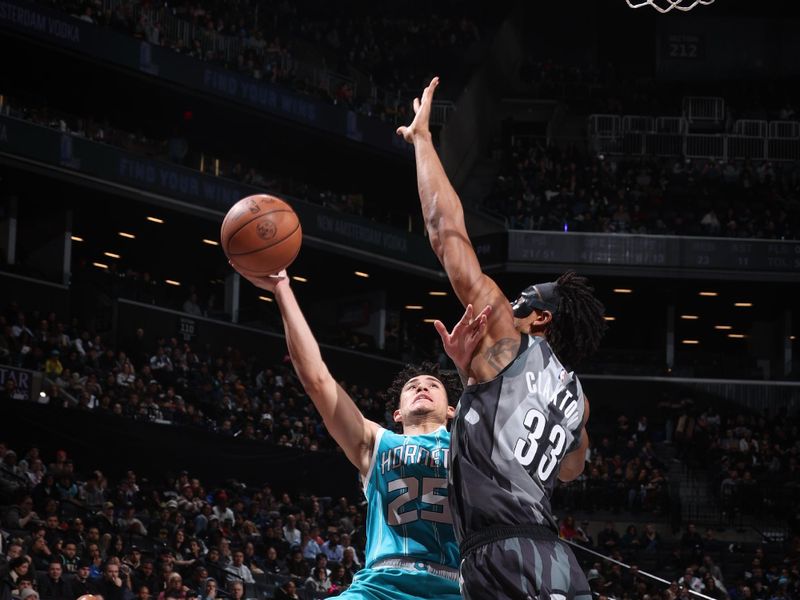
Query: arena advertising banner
23,383
111,164
657,253
71,33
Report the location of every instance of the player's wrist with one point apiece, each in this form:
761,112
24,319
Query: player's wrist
421,135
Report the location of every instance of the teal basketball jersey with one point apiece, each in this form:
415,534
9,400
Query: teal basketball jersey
406,490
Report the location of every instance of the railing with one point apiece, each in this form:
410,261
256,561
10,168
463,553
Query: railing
704,109
637,135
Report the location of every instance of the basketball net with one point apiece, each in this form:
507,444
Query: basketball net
664,6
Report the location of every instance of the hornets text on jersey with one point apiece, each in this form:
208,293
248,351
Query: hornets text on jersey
406,489
509,436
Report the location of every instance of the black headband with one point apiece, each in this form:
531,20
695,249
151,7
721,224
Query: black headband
543,296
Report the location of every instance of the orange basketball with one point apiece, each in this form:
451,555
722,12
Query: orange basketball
261,235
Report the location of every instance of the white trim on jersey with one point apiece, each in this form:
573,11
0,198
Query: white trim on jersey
366,478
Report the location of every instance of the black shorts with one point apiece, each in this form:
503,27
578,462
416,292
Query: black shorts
535,567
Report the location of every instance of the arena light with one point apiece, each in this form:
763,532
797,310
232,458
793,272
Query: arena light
737,336
361,274
723,327
709,294
156,220
609,318
265,298
743,304
126,235
172,282
210,242
112,255
689,317
690,342
299,278
792,337
623,291
100,265
413,307
76,238
429,320
437,293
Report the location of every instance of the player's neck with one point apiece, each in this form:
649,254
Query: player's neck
422,427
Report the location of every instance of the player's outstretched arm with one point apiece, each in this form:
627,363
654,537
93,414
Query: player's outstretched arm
354,433
444,221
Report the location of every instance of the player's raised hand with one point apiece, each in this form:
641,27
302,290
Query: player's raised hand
422,115
268,283
461,342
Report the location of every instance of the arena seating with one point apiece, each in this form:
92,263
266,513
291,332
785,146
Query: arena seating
568,190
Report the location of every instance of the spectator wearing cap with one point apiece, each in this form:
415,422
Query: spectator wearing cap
54,586
28,594
81,584
239,569
221,510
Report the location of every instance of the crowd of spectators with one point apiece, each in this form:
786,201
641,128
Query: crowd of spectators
693,562
623,472
372,61
548,188
67,532
176,149
170,381
753,459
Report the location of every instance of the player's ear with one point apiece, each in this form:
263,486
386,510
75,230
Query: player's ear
397,417
451,412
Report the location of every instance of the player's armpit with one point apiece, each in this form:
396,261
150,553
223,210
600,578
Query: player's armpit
501,353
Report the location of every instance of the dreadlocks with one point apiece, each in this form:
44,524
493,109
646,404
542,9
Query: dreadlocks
578,324
450,381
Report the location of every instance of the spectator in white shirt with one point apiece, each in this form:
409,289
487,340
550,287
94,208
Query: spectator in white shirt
290,532
239,569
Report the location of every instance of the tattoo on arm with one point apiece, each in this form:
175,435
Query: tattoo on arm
502,353
463,376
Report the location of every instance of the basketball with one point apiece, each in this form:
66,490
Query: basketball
261,235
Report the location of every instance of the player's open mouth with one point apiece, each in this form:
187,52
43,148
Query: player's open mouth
421,396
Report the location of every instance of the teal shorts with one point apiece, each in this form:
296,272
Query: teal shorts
400,584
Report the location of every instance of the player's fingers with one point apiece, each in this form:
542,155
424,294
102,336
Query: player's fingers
467,318
441,329
486,312
415,104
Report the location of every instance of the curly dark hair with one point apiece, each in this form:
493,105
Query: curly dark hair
578,324
450,380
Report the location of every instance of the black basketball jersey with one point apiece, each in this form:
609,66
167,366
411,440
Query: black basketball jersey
508,438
